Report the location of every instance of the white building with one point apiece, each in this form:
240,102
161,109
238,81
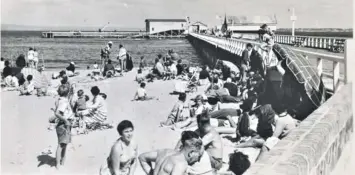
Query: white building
198,27
154,26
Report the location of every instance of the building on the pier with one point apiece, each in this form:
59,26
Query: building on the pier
169,26
248,26
198,27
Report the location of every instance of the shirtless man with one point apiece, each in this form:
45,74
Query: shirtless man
172,162
211,140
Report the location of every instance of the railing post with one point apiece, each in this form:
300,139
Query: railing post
349,60
320,66
335,75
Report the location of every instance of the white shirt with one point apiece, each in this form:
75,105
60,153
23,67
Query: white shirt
2,65
95,66
141,92
30,55
35,56
122,53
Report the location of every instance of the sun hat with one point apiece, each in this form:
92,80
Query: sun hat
110,42
72,63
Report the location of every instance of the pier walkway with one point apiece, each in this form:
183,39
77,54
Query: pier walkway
322,144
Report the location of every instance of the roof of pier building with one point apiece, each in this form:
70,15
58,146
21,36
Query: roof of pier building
198,23
251,20
165,20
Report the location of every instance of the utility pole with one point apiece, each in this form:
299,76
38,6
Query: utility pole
293,19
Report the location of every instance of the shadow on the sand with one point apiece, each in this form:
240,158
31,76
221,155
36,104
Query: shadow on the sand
46,159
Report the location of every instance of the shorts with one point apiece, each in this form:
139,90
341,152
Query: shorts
63,134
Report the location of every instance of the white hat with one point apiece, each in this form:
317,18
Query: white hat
229,80
110,42
204,97
72,63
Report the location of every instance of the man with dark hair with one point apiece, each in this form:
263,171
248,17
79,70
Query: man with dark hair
168,161
109,69
238,163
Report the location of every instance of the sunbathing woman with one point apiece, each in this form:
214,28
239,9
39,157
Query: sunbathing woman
123,156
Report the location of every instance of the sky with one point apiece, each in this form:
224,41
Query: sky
132,13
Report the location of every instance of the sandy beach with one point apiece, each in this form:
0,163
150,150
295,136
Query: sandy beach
25,120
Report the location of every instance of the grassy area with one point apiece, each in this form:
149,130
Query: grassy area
325,32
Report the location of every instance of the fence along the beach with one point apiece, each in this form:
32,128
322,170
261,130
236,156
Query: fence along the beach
309,41
237,46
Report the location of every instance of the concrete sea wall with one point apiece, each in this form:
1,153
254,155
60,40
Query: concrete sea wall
313,148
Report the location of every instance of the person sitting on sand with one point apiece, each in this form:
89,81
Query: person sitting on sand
124,153
109,69
195,110
233,89
211,140
7,70
179,67
176,113
28,87
204,76
70,70
63,114
141,94
283,124
168,161
97,111
158,68
142,63
140,77
95,65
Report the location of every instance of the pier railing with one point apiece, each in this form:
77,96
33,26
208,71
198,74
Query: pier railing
310,41
237,46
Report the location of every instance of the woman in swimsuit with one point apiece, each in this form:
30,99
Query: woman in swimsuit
123,156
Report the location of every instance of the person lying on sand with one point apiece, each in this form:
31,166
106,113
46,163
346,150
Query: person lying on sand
124,153
211,140
168,161
176,113
141,94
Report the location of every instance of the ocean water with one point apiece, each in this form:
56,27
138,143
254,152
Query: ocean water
58,52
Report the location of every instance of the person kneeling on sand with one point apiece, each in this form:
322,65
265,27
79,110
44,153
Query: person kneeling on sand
97,111
28,87
168,161
141,94
176,113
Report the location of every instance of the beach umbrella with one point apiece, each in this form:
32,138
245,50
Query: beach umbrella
305,73
39,79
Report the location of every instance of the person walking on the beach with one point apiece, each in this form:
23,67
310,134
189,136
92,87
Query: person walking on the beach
64,114
168,161
35,58
122,56
30,56
124,153
105,54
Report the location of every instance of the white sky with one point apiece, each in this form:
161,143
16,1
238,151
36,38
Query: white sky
132,13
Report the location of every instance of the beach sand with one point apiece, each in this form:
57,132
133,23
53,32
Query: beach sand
25,121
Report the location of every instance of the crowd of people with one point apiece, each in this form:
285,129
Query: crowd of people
232,102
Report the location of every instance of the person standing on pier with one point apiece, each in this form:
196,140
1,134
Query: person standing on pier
122,56
105,54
